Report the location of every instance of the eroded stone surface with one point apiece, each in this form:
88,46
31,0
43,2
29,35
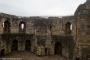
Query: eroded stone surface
67,36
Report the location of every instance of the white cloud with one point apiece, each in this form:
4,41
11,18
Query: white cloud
39,7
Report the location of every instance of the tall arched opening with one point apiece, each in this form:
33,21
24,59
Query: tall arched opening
6,26
58,48
22,27
28,45
14,46
68,27
2,53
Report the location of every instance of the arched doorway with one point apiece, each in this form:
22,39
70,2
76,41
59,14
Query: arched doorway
2,53
14,46
58,48
28,45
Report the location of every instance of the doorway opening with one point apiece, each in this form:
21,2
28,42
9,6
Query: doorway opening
14,45
28,45
2,53
58,48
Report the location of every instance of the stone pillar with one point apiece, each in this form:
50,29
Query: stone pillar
65,52
52,50
32,46
7,46
21,45
40,51
49,48
35,37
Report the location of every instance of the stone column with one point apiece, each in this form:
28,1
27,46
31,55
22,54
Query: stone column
52,50
21,45
65,52
49,45
7,46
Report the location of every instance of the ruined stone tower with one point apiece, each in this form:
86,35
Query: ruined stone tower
83,30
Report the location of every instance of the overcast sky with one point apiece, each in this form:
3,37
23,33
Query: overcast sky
39,7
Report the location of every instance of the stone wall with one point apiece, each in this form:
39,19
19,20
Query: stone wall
42,31
73,32
83,26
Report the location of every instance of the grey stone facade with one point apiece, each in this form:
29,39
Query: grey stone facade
67,36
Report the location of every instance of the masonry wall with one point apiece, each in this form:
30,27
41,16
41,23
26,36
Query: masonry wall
43,30
83,26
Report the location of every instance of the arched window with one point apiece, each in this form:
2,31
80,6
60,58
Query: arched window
6,26
68,27
22,26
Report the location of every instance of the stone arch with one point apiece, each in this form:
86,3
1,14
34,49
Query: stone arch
22,26
58,48
6,26
68,27
14,46
28,45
